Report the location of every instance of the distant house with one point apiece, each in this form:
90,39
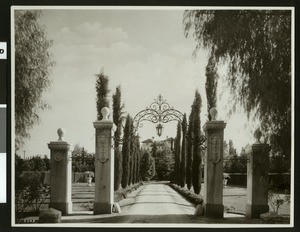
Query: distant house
148,143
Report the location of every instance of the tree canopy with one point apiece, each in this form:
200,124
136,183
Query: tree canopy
102,90
33,64
211,84
256,44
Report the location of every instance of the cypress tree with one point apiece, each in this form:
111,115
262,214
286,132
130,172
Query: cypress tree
154,153
138,161
211,84
126,152
183,152
196,165
189,158
102,93
177,154
117,119
131,155
134,154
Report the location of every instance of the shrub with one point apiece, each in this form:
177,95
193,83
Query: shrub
30,194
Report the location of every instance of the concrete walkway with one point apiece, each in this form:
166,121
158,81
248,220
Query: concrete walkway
155,203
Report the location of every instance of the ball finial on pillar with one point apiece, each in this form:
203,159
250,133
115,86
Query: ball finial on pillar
105,113
257,135
60,133
213,112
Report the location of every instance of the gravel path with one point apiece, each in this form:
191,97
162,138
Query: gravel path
157,203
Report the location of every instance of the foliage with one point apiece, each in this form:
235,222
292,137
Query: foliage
147,167
177,154
122,193
30,193
126,152
190,196
35,163
189,158
118,116
183,152
275,200
235,163
133,155
33,64
211,84
102,92
138,158
197,150
256,44
82,161
164,164
278,164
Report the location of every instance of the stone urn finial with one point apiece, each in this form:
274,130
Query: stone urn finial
213,112
60,133
257,135
105,111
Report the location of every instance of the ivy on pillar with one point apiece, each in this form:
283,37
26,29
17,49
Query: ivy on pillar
257,177
213,168
60,175
104,165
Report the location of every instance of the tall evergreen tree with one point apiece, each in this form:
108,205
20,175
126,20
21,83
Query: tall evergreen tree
147,168
177,154
211,84
154,153
102,93
117,119
126,152
196,165
138,160
190,145
183,152
132,151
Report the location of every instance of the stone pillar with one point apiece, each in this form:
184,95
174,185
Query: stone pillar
104,165
257,178
213,168
60,175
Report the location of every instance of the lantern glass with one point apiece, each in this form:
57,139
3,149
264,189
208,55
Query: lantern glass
159,129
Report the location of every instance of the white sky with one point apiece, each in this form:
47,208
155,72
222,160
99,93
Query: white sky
143,51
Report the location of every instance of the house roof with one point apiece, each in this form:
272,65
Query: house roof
147,141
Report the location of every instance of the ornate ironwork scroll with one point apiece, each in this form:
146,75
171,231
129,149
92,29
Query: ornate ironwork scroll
158,111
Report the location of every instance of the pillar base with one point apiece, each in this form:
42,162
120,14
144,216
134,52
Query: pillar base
102,208
254,211
64,207
214,210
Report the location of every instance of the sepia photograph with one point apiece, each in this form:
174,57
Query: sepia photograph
134,116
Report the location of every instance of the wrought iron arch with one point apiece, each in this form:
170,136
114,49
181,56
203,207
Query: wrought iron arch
158,111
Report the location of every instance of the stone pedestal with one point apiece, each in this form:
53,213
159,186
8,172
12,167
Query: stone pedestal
104,165
60,175
213,169
257,180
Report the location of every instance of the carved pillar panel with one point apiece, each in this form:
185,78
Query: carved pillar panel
60,175
257,178
213,169
104,165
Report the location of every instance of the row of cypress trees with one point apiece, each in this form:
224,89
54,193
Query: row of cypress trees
187,168
126,149
131,156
